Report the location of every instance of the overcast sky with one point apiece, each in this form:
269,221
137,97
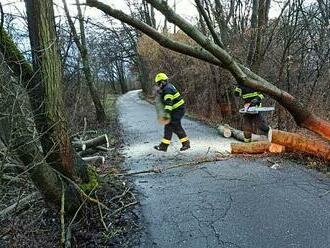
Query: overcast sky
185,8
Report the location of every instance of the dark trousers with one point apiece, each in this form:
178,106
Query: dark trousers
254,123
175,126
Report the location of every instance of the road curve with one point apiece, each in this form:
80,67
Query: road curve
231,203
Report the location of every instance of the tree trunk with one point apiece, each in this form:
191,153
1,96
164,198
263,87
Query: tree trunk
82,47
250,148
302,143
253,30
143,76
100,114
121,76
45,91
256,148
281,139
48,182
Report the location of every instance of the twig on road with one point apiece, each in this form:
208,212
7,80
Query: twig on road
156,169
152,170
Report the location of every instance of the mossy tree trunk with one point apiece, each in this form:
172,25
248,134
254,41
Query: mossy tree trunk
18,136
46,92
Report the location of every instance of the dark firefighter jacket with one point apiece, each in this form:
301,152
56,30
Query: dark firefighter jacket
249,95
171,98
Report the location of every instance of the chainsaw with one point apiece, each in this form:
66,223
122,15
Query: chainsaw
255,110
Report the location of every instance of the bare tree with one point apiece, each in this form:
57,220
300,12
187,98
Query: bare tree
82,47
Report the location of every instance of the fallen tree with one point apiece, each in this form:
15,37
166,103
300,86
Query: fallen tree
281,141
217,54
298,142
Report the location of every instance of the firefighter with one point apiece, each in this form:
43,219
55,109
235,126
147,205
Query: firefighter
251,122
174,106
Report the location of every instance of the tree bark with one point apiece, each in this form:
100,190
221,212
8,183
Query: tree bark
302,143
282,140
45,91
256,148
250,148
48,182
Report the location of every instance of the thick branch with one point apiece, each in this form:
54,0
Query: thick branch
196,52
215,37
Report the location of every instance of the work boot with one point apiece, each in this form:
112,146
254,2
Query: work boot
161,147
185,146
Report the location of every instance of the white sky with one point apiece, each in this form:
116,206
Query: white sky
185,8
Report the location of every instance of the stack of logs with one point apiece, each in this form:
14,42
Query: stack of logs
91,146
276,142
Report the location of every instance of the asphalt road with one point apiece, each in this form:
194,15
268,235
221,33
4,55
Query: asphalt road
231,203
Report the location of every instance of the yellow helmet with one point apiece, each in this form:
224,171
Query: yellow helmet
160,76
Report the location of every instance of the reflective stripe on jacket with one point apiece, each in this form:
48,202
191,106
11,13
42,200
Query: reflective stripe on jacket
247,93
171,98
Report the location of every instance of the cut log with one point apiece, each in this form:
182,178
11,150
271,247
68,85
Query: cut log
98,141
163,121
224,130
250,148
282,141
301,143
95,159
275,148
93,150
239,135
